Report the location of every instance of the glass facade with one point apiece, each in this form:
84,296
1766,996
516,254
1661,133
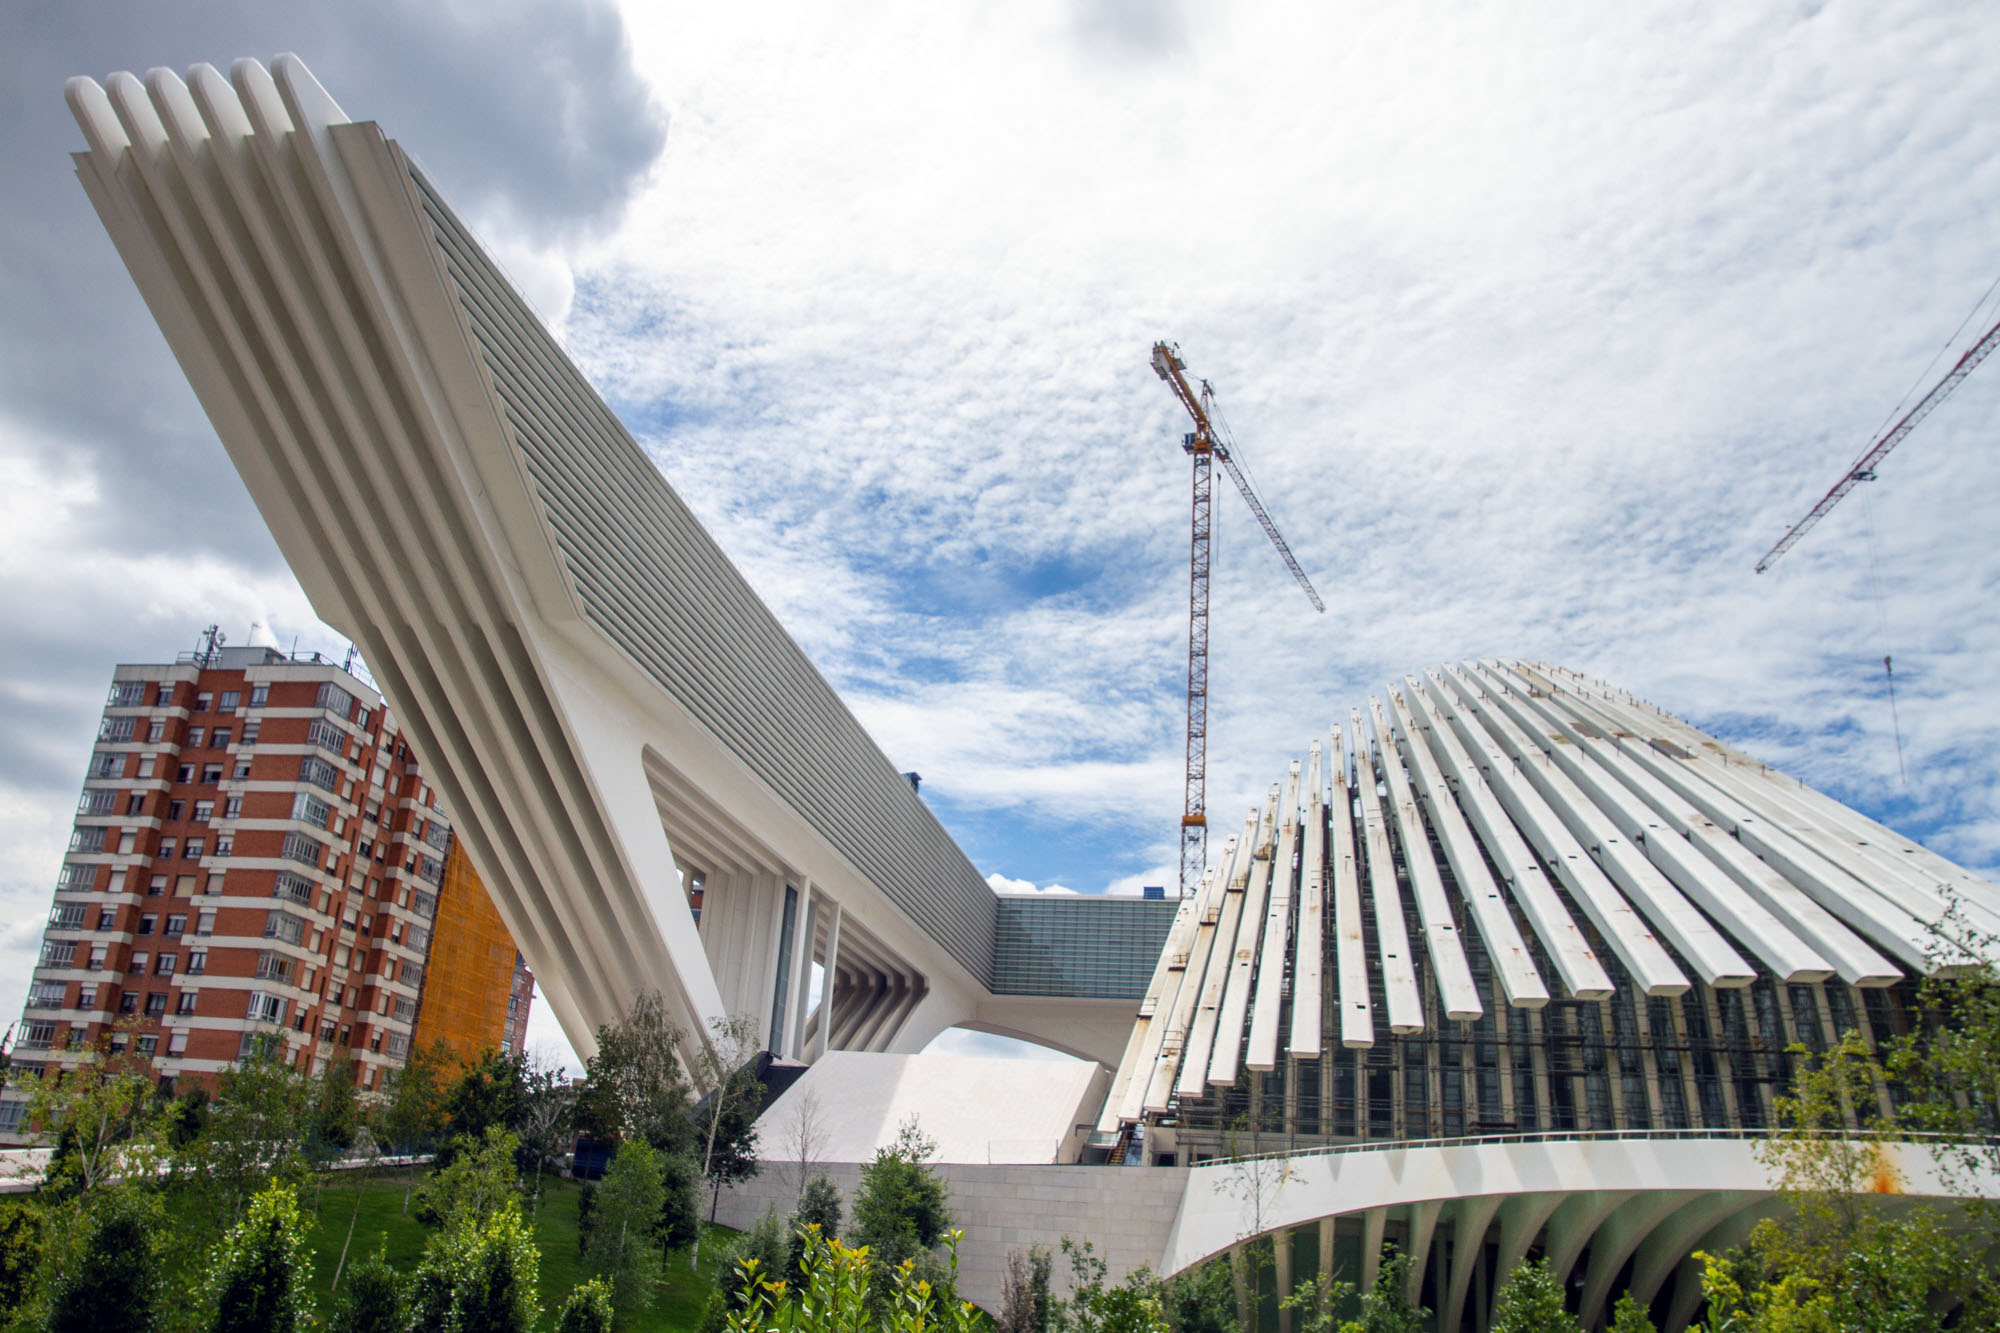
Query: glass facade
1079,947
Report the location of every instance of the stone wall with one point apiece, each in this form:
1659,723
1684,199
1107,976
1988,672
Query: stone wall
1125,1212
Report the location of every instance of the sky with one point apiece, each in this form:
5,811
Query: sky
1534,330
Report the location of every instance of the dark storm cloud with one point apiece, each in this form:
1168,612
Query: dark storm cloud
530,116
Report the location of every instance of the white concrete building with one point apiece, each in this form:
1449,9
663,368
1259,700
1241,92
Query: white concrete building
1506,966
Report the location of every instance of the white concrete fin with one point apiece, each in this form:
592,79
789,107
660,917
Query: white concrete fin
1350,949
1546,806
1392,931
1309,941
1450,967
1167,1040
96,117
1537,897
1519,980
1268,1005
1231,1021
1201,1041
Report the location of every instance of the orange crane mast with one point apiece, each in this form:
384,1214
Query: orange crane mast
1206,445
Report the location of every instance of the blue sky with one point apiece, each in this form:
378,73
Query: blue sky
1535,331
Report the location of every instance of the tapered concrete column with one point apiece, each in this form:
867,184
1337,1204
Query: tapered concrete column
1423,1229
1373,1223
1614,1243
822,1042
1575,1223
810,902
1468,1243
1281,1250
1326,1229
1521,1220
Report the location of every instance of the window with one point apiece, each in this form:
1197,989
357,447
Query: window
128,842
149,1043
259,695
195,736
184,773
231,701
284,926
156,731
438,834
168,846
194,849
137,962
412,975
294,887
327,737
67,916
221,739
187,1001
117,730
334,699
177,924
107,765
205,923
107,918
135,804
156,886
127,694
86,996
203,811
318,772
87,840
242,770
426,905
177,1043
184,886
203,701
97,801
310,809
163,695
225,846
176,811
38,1036
211,774
232,808
163,966
197,962
274,967
398,1045
148,763
46,995
146,924
156,1004
97,957
265,1008
128,1003
251,730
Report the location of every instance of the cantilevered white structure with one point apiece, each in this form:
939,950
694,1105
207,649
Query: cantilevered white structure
612,714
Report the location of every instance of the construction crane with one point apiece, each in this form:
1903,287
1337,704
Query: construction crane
1208,443
1864,467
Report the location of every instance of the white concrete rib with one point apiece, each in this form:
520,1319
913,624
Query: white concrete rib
1171,1041
1662,819
1309,941
1853,901
1160,991
1392,932
1221,951
1449,967
1268,1006
1567,947
1512,963
1357,1016
1543,804
1230,1021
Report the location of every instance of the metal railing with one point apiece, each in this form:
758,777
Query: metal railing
1562,1136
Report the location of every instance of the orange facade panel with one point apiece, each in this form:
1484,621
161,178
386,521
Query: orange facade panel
476,991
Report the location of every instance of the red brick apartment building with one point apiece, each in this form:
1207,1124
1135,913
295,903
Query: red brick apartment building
256,862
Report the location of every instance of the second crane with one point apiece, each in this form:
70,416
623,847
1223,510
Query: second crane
1206,445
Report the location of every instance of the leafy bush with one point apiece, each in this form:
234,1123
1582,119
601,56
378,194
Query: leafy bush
260,1270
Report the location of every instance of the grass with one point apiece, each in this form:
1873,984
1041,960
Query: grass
678,1308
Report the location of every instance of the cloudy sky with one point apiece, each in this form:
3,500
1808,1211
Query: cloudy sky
1535,332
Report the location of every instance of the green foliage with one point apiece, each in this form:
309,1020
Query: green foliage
490,1092
819,1206
23,1239
834,1293
1026,1305
621,1248
373,1302
1092,1307
635,1088
1949,1065
1388,1307
1315,1306
478,1276
547,1120
1201,1299
588,1309
731,1097
104,1118
1531,1301
413,1113
335,1112
680,1207
259,1272
255,1128
899,1208
107,1277
477,1184
1628,1316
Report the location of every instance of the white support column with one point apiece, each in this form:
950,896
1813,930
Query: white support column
1373,1223
1468,1243
1423,1229
802,962
822,1041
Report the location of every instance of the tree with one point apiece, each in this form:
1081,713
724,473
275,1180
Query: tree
478,1277
103,1116
1628,1316
364,1148
803,1138
414,1111
1531,1301
374,1300
834,1292
335,1104
23,1239
1131,1307
634,1088
819,1209
1387,1308
107,1278
680,1212
1949,1064
1315,1305
255,1128
1025,1303
548,1114
489,1091
476,1185
259,1273
731,1096
899,1208
588,1309
621,1248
